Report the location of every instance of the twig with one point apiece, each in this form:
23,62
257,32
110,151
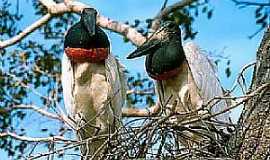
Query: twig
135,112
252,94
249,3
31,139
241,74
38,110
149,91
166,11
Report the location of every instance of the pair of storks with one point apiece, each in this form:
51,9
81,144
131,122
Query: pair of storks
94,83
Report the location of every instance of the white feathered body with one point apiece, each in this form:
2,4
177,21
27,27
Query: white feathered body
94,94
193,87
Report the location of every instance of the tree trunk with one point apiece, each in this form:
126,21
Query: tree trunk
255,126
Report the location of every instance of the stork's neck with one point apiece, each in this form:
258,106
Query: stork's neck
180,77
92,55
84,71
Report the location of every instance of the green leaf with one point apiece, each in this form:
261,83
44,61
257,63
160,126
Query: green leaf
125,39
204,9
210,14
228,72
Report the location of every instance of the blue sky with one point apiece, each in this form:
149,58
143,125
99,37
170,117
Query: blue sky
227,31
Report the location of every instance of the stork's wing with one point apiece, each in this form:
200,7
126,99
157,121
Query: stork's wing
116,78
204,75
67,84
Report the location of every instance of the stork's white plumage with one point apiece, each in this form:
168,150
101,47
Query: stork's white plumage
205,78
93,83
67,84
185,78
93,95
195,85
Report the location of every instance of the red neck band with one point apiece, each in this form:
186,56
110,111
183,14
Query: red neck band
93,55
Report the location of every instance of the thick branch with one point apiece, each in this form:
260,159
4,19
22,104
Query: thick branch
255,131
135,112
26,31
76,7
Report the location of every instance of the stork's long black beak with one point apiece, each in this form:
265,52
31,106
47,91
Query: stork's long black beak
136,53
147,48
89,17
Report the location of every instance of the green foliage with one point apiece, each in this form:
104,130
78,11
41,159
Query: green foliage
228,69
9,20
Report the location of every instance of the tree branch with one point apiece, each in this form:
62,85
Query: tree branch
71,6
166,11
135,112
38,110
26,31
247,3
31,139
61,117
76,7
241,101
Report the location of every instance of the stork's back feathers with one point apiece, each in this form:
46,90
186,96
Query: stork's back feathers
116,78
67,84
205,77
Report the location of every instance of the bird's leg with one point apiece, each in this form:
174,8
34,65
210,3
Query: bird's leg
161,96
185,98
190,103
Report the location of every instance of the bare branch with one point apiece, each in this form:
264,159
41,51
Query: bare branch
47,3
148,91
166,11
61,117
248,3
73,145
135,112
76,7
31,139
240,74
26,31
38,110
241,101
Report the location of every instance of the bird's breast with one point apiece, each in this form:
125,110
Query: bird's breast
178,89
91,88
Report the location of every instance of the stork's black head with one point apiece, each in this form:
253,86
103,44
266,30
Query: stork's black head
164,51
168,31
85,41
